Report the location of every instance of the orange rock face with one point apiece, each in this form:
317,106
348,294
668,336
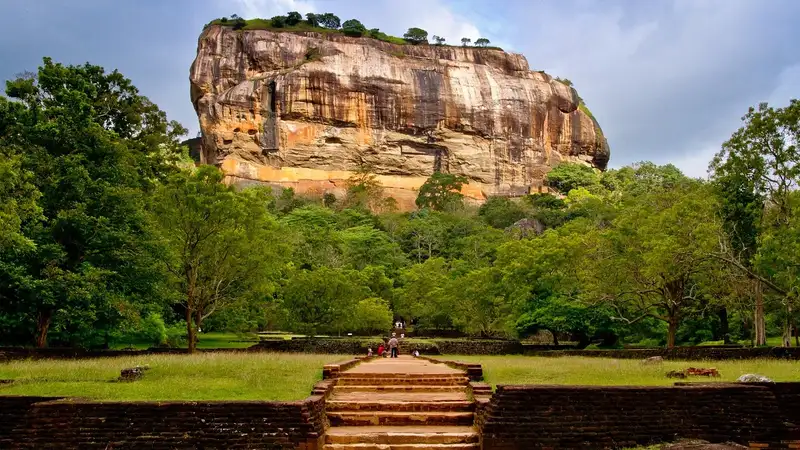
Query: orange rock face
303,110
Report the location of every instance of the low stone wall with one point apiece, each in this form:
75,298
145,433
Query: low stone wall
588,417
46,423
679,353
474,371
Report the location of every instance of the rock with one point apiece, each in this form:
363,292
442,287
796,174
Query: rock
304,109
653,360
699,372
676,374
133,374
754,378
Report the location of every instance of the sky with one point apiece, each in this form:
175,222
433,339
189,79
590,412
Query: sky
668,80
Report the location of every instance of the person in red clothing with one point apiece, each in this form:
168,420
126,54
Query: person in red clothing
381,350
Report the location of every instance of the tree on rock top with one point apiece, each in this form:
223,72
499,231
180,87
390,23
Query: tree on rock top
353,28
329,20
482,42
442,192
293,18
416,36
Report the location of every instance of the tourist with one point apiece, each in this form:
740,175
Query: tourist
416,353
393,346
381,349
369,352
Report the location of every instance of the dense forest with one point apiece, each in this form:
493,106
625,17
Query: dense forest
108,230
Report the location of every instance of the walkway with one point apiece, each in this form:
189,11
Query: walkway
401,404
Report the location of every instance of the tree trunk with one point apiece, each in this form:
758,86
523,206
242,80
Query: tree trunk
42,326
672,331
724,329
787,326
190,330
758,320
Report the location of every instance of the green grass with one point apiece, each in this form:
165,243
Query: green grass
207,376
602,371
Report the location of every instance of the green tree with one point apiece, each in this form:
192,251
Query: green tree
760,161
501,212
568,176
416,36
353,28
465,41
329,20
322,300
223,248
312,19
278,21
650,261
441,192
88,148
293,18
372,316
438,40
482,42
423,298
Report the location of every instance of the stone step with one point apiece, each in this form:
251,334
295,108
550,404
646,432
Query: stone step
398,406
416,435
402,418
443,376
401,446
366,381
398,388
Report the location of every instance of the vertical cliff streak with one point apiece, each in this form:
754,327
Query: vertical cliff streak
304,109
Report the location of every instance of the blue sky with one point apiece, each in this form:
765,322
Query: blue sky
668,80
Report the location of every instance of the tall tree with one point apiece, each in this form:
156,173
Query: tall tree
416,36
92,146
650,258
222,245
442,192
762,161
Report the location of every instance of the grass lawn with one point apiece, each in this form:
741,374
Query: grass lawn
207,376
601,371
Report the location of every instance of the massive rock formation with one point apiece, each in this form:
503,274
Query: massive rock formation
306,109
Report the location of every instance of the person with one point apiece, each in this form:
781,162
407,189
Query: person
393,346
381,349
369,352
416,353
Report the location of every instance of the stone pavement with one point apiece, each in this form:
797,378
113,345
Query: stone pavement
401,404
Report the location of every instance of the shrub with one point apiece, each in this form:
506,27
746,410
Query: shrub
482,42
354,28
329,20
278,21
312,19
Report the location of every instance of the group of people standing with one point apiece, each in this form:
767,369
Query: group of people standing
391,348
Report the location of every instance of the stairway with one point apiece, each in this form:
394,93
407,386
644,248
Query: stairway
401,404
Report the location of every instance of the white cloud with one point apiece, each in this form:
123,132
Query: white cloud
664,76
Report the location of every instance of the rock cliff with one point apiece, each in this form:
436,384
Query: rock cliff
303,110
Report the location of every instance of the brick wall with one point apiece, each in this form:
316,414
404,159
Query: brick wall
681,353
564,417
42,423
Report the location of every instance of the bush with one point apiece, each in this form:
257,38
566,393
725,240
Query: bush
353,28
372,315
278,21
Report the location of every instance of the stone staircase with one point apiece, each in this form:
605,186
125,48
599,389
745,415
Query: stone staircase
401,404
